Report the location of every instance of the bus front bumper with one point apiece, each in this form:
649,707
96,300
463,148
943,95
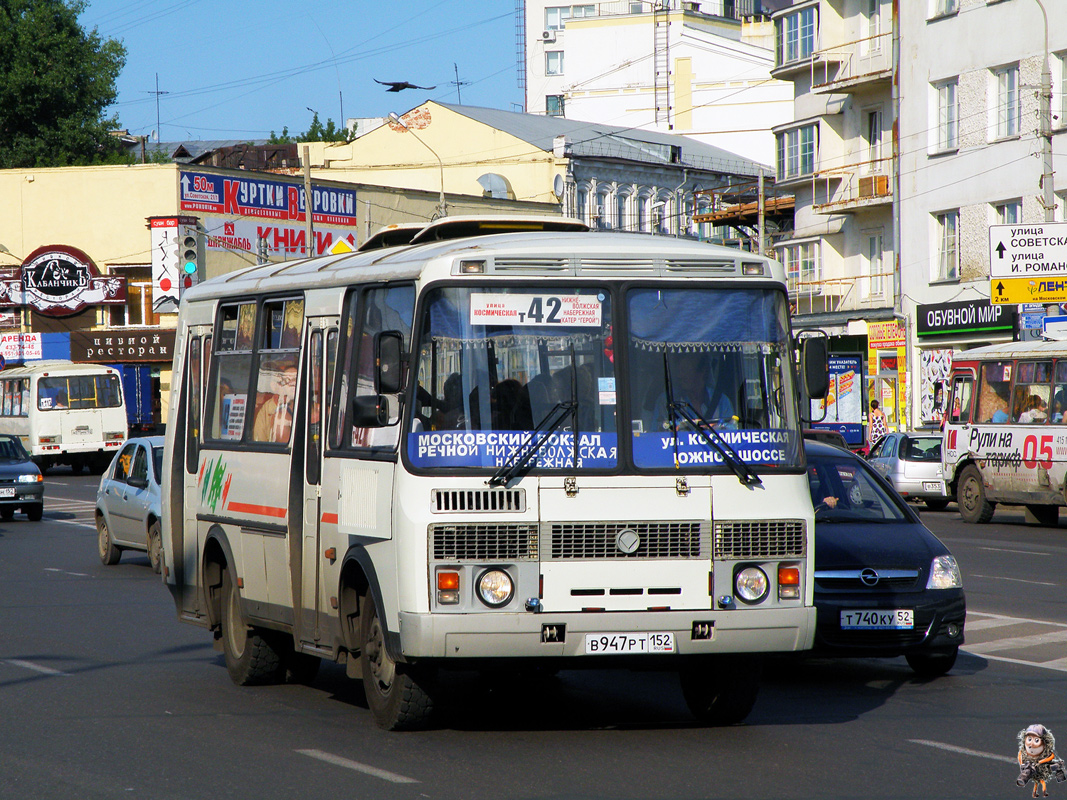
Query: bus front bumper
547,635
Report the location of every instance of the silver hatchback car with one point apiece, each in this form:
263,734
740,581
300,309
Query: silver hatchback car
128,502
912,463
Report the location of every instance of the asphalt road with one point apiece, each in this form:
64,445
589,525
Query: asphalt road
104,694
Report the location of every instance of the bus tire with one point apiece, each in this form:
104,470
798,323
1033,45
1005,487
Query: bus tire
109,552
721,690
396,693
155,547
34,512
970,496
251,658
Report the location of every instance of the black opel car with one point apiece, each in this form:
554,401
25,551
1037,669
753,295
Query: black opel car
884,584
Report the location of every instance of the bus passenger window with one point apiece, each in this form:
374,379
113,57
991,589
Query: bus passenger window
275,396
961,400
1059,393
233,371
994,392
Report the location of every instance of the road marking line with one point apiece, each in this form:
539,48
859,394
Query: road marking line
355,765
989,624
75,524
1013,580
1018,642
1021,552
35,667
963,750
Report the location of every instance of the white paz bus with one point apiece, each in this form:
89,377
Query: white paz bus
1005,437
546,447
64,412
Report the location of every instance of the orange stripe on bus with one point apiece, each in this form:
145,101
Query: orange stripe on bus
265,511
330,519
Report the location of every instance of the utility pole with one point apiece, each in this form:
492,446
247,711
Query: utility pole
1045,112
309,228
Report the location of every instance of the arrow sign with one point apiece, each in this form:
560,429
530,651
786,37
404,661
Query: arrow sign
1028,250
1000,289
1000,248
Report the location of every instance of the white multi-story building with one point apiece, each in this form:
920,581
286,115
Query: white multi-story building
701,69
891,247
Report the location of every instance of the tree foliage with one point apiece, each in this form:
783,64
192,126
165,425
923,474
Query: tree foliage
316,133
56,81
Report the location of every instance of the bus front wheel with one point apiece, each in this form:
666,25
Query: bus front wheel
250,657
721,690
396,693
970,496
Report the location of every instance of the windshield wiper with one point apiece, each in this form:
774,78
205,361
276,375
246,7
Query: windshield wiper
521,459
711,437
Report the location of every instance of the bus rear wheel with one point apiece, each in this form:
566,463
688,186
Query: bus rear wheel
970,496
251,658
396,693
721,690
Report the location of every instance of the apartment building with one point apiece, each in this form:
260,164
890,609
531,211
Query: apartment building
701,69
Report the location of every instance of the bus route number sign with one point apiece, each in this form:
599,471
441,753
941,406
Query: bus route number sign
536,310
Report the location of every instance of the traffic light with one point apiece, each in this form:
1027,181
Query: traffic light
187,247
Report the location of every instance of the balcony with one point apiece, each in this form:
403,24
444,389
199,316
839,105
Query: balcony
864,65
853,293
855,187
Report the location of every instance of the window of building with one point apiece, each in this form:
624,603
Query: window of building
602,211
1009,108
622,208
581,203
874,27
554,105
796,152
948,115
801,266
556,16
874,139
1010,213
795,36
947,225
644,220
553,62
874,271
138,308
941,8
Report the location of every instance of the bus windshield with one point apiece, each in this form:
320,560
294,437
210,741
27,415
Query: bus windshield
721,356
499,368
495,363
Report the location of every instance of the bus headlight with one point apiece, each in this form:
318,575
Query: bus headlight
495,588
944,574
751,584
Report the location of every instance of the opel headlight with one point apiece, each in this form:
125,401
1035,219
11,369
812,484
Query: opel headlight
751,584
495,588
944,574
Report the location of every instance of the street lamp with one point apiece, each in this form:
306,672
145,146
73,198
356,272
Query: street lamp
441,208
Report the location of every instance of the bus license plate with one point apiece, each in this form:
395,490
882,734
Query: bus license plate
933,486
598,644
7,492
881,619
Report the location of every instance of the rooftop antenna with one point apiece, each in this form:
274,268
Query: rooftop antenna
157,93
457,83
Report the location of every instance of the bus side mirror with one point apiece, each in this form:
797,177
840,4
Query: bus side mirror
815,367
388,352
370,411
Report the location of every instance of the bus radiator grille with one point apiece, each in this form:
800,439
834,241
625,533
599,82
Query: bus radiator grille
443,501
759,539
599,540
484,542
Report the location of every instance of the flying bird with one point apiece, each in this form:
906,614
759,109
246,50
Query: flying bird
399,86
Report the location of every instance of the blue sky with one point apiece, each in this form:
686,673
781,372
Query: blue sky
238,70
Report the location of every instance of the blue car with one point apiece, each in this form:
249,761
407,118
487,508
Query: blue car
884,584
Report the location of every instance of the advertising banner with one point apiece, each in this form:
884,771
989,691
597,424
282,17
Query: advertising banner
844,401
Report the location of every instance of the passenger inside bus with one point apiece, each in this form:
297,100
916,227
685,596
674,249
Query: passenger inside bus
1035,410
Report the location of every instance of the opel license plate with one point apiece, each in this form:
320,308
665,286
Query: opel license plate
599,644
878,619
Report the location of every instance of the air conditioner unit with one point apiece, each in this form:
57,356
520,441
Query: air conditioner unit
874,186
548,36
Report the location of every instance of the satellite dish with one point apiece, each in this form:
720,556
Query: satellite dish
557,187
